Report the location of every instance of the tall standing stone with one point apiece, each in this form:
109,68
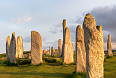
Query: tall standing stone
19,47
80,50
8,48
93,39
59,48
36,48
49,50
68,48
64,26
52,51
13,49
109,46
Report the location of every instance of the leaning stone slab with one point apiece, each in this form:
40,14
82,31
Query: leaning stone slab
19,48
109,46
80,50
68,48
59,48
93,39
36,48
8,48
13,49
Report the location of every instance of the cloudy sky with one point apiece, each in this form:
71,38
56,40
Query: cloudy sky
46,16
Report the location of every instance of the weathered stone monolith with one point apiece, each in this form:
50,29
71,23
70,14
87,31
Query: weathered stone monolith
68,48
36,48
64,26
13,49
49,50
19,47
109,46
93,39
59,48
52,51
80,50
8,48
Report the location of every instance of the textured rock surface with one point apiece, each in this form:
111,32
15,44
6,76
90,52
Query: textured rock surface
93,39
13,49
49,50
64,26
36,48
19,47
8,48
80,50
52,51
68,48
109,46
59,48
80,63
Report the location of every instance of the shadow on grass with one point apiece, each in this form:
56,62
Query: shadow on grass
43,74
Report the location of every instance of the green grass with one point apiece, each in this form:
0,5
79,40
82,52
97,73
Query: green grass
25,52
110,68
2,55
52,69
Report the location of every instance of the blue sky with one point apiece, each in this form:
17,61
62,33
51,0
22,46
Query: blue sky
46,16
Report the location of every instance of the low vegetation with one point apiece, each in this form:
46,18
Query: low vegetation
50,68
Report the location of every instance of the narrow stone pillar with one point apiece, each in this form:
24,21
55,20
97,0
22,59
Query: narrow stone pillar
36,48
109,46
49,50
52,51
80,50
13,49
68,48
19,48
64,26
8,48
59,48
93,39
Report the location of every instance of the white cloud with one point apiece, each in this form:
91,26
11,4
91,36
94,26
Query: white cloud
27,19
2,39
24,19
18,20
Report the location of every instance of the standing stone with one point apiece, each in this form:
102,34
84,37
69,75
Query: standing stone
59,48
36,48
13,49
68,48
8,48
19,52
80,50
93,39
64,26
49,50
109,46
52,51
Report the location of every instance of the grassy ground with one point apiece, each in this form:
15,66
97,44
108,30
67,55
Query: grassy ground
51,70
110,68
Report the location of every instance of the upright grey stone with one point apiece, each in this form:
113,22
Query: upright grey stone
49,50
68,48
36,48
93,39
13,49
64,26
8,48
80,50
52,51
19,47
109,46
59,48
